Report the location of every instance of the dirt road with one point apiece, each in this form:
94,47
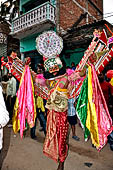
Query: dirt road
26,154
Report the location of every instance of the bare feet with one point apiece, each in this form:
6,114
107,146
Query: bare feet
61,166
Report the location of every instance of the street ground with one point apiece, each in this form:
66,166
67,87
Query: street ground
27,154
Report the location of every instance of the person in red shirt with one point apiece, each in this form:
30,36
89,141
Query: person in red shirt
107,89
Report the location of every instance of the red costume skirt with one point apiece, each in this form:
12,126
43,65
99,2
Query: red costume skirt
56,141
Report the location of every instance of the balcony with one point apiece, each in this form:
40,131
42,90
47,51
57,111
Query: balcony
37,20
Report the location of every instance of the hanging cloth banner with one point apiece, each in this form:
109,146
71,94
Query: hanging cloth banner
25,109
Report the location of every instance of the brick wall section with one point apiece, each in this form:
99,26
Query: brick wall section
70,12
100,4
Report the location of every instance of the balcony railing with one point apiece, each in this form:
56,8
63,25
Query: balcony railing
38,15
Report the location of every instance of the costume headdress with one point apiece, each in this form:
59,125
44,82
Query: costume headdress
50,45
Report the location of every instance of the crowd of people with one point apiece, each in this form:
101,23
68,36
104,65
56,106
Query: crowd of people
10,87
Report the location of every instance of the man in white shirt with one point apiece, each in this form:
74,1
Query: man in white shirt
11,87
11,94
4,118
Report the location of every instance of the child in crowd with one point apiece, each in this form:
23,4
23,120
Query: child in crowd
72,117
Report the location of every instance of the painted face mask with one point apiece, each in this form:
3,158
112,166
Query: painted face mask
53,64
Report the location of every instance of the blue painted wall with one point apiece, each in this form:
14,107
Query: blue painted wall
74,56
28,43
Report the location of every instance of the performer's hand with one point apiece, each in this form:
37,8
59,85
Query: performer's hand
82,72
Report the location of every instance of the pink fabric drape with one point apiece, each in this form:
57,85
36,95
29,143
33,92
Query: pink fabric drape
25,97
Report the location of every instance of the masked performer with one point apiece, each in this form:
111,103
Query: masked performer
59,84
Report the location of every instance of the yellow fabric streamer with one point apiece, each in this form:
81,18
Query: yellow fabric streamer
91,122
15,120
111,81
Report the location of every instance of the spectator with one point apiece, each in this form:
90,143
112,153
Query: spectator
106,88
40,110
4,87
11,94
73,67
4,118
72,117
40,115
